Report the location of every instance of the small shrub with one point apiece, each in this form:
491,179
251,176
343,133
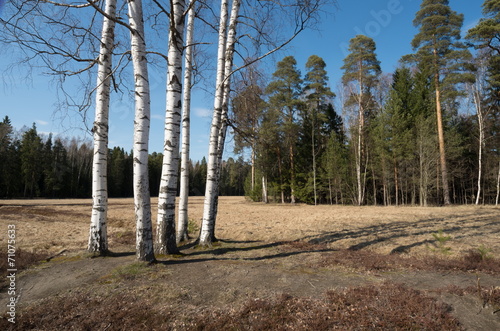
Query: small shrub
485,252
193,227
441,241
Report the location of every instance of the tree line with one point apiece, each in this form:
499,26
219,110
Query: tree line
40,166
426,134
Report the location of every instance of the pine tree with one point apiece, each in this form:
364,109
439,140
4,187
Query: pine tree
317,95
361,70
439,49
486,34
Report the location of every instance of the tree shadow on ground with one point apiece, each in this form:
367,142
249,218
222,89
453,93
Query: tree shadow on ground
458,228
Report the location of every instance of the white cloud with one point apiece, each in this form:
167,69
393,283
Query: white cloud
202,112
157,117
40,122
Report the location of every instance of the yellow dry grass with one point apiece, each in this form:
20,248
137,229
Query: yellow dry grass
54,225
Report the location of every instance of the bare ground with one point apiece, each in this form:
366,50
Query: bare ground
265,251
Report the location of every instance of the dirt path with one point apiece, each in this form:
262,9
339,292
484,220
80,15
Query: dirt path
235,272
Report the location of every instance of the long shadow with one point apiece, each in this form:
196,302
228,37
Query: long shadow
388,231
384,232
225,250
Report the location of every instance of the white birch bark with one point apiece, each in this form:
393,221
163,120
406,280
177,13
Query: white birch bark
498,185
166,236
182,222
211,185
480,120
98,242
142,201
265,198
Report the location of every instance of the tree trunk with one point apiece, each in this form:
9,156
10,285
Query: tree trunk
396,182
166,239
292,175
280,172
480,120
225,48
142,200
253,167
314,158
498,185
265,198
182,233
98,242
442,149
361,120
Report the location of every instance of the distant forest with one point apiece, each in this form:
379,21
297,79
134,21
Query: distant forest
34,166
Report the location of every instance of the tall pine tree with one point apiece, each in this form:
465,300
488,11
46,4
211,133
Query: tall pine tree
361,70
438,48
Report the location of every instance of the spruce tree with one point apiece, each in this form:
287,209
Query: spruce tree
438,49
284,92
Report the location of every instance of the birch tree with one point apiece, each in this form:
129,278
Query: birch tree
142,200
166,240
182,223
302,13
98,224
207,233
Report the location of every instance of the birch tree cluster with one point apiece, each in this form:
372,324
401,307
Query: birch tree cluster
103,41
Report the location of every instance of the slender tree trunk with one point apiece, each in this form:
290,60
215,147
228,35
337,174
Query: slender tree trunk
265,198
142,200
280,172
374,185
498,185
361,120
442,149
182,233
292,169
228,65
480,120
330,189
396,182
314,157
207,225
253,167
98,242
165,234
225,58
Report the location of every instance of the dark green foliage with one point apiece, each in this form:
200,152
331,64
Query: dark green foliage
487,32
35,166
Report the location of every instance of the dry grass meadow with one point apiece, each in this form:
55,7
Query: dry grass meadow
285,267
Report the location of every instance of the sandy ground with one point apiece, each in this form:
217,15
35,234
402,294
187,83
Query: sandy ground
54,225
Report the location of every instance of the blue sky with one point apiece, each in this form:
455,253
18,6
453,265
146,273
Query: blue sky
388,22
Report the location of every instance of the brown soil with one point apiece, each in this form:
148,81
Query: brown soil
265,251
